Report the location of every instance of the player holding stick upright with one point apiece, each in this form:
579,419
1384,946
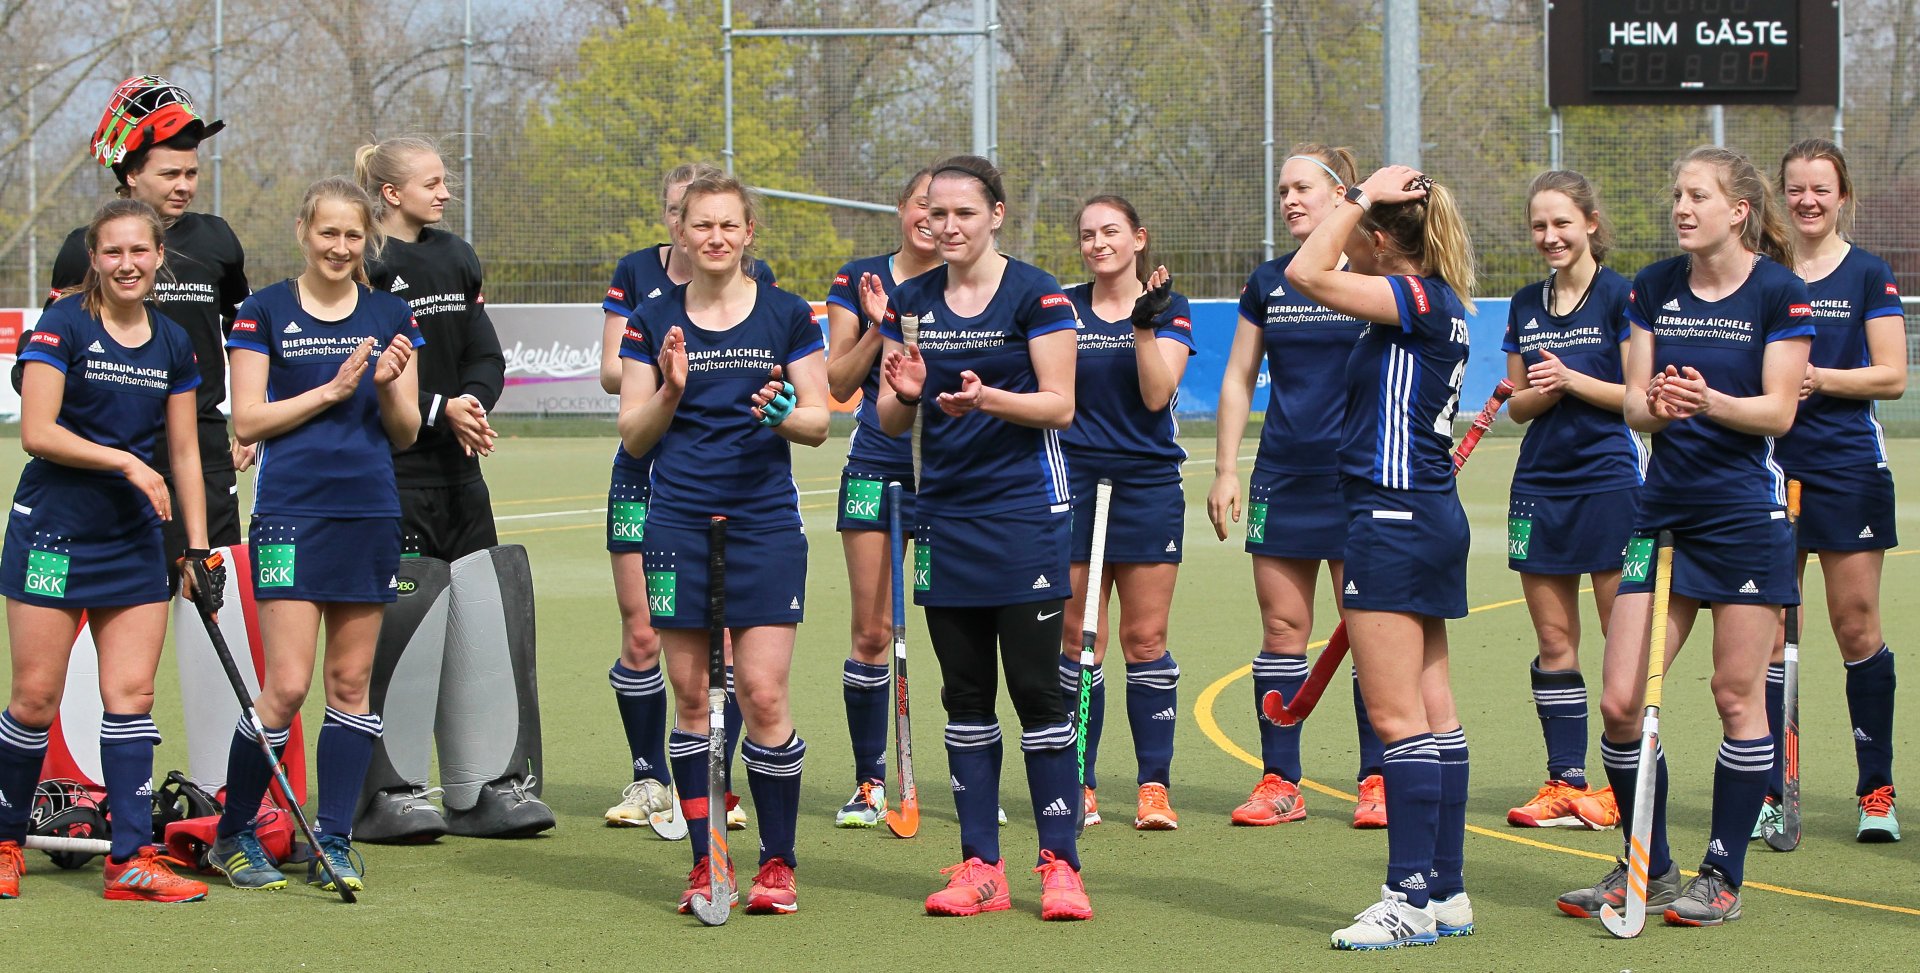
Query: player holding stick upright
1574,485
1295,516
321,379
1409,263
1837,452
723,373
1714,368
874,459
104,376
992,381
1134,339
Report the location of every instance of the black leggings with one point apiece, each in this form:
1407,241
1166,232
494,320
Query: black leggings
1027,639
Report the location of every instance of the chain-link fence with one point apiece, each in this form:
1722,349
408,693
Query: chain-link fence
578,106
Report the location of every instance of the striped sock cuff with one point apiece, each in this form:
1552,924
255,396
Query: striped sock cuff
630,682
781,761
1070,675
1884,651
1414,749
1747,756
128,728
1451,745
365,724
1050,736
1776,673
729,680
859,675
19,735
973,736
1626,756
278,738
681,744
1161,673
1269,666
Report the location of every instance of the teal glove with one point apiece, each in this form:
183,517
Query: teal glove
779,407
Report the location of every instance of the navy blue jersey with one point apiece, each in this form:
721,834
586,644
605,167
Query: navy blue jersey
640,277
115,396
870,448
1108,415
1403,388
1575,447
338,463
1307,348
1833,433
1698,461
978,464
714,458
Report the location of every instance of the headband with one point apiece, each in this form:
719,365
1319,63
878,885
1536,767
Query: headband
970,174
1323,166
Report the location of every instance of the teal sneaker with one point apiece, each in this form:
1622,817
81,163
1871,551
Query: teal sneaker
865,809
245,864
346,862
1769,820
1877,823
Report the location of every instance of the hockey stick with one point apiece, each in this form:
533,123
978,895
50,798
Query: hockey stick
903,819
1786,837
1286,713
1089,631
85,846
713,907
203,602
1640,841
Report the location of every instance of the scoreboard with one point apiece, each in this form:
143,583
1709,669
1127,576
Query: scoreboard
1678,52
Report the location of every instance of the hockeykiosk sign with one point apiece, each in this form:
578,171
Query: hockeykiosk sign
1681,52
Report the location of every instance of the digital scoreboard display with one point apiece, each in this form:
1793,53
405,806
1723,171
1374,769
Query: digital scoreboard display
1694,45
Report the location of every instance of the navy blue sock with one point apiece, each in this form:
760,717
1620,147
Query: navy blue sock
1870,685
1412,771
1153,711
1560,697
864,688
1096,708
1622,762
774,775
23,749
688,754
1050,757
973,760
1279,745
248,775
341,757
126,761
1450,840
642,698
1373,753
1739,788
734,722
1776,724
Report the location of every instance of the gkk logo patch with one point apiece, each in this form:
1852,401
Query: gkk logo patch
46,574
275,565
1519,535
1639,559
660,589
922,566
1257,523
629,521
863,500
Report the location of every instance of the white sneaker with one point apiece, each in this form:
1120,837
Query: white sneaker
1003,817
865,808
638,802
737,818
1453,916
1388,924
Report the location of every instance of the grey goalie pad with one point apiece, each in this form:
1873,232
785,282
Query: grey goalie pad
405,683
489,720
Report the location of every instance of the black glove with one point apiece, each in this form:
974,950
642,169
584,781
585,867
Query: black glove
1153,303
209,583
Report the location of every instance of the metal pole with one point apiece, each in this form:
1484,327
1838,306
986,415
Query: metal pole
1553,140
467,187
993,79
213,100
1269,180
33,190
726,71
1553,111
1400,74
982,69
1840,96
1717,120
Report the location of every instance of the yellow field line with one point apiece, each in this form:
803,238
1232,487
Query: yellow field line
1203,715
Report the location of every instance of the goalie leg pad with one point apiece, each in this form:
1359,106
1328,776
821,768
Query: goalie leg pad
489,722
405,690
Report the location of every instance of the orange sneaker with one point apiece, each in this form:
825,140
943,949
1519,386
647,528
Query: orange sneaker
1598,810
974,887
1151,811
1371,812
1093,808
1552,807
147,877
772,893
699,879
1275,800
1062,894
13,864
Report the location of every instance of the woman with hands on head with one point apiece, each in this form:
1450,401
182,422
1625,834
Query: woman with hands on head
104,375
1409,273
322,380
723,373
1713,373
981,351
